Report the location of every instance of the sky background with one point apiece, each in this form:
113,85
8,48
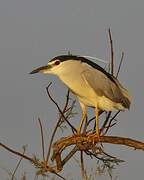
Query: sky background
31,32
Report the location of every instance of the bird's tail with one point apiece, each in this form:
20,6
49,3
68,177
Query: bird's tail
126,100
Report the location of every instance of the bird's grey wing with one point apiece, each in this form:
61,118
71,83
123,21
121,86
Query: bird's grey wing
102,85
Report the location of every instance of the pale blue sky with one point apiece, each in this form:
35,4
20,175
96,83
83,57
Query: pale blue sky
31,32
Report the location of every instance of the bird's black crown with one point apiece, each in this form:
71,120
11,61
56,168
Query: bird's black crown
63,58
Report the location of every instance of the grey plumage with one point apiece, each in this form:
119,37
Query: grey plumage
106,87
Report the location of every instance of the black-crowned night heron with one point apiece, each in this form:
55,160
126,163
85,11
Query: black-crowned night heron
93,86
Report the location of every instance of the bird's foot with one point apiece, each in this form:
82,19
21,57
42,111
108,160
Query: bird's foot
77,133
91,138
97,132
95,138
98,139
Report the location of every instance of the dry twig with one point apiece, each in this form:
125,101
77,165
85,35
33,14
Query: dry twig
120,64
18,164
59,120
42,139
112,52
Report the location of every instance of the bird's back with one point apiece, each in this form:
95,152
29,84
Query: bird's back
104,84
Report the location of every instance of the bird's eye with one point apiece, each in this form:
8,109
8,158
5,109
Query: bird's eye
57,62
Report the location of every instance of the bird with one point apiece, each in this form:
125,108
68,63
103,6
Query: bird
90,83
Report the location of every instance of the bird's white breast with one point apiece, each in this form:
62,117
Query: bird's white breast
71,74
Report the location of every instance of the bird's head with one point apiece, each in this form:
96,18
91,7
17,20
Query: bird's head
57,65
49,68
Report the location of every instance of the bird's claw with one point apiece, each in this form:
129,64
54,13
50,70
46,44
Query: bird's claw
92,138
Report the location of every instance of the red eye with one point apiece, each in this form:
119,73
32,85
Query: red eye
57,63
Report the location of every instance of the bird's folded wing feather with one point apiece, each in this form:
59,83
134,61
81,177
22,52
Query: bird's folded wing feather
102,85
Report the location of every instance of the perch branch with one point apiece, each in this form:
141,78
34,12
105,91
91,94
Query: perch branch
88,142
85,142
82,143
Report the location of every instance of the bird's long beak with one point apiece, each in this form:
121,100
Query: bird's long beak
42,69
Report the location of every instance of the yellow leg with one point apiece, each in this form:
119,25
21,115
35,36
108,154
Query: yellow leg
83,117
97,124
81,123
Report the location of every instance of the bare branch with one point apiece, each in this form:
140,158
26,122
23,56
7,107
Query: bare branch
18,164
17,153
90,120
105,122
69,156
39,164
59,176
58,122
110,122
85,141
88,142
42,139
112,52
72,127
82,166
120,64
